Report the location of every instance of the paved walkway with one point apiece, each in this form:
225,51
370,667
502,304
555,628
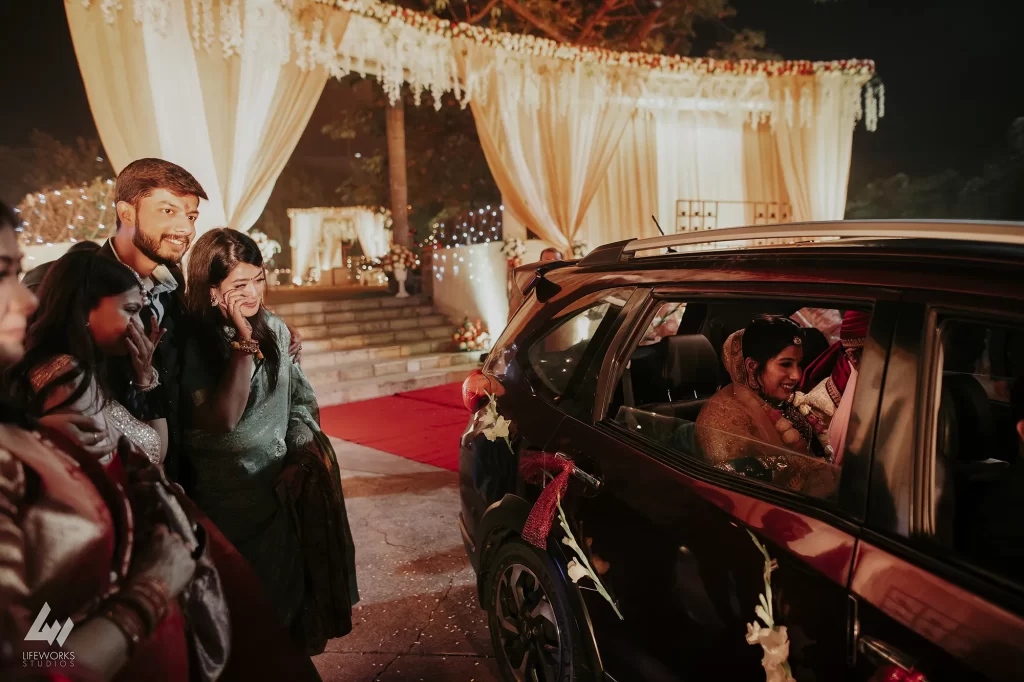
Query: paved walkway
418,618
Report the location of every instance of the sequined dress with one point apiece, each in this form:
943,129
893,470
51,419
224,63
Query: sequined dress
141,434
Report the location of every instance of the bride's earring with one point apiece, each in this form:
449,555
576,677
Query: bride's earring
752,381
213,301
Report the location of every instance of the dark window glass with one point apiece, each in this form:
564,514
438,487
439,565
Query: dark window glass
979,445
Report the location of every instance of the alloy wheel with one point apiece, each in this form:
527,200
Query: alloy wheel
527,627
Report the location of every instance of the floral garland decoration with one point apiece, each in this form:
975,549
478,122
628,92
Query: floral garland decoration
472,336
531,45
772,637
399,256
494,425
513,250
268,247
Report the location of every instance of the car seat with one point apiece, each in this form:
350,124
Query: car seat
688,375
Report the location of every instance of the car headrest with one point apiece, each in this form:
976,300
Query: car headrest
690,363
975,423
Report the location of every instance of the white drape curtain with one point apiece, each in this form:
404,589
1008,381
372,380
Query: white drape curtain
232,122
549,156
815,148
763,171
700,156
305,242
628,197
373,238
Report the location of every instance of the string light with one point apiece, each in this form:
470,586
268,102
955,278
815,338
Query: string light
83,215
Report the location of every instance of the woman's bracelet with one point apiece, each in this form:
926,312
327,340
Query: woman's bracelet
139,609
154,381
248,346
128,621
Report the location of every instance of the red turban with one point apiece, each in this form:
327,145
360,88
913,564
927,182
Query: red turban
833,362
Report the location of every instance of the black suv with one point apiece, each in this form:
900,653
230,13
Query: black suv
904,562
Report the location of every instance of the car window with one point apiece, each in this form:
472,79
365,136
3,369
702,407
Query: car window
555,357
771,402
978,445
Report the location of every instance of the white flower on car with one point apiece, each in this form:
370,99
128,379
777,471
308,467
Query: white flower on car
491,424
773,638
498,430
576,571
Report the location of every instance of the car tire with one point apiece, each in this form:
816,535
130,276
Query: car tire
531,622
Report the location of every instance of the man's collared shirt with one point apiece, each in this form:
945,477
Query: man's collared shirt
160,282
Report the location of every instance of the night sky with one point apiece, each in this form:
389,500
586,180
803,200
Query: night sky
954,78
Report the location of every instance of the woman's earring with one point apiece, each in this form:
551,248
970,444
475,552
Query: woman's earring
752,381
213,301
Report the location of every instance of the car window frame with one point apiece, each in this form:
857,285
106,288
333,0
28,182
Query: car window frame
851,504
566,402
915,346
925,523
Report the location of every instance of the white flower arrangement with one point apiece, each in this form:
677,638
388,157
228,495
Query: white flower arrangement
399,256
772,637
513,249
579,249
494,425
268,247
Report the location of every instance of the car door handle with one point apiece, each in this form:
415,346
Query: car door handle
880,653
590,480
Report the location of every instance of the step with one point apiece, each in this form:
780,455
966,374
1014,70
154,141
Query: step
363,326
385,367
313,360
295,320
340,392
349,305
380,338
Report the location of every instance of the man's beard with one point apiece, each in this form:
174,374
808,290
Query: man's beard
150,248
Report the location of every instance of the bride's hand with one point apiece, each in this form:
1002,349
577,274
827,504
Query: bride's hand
231,306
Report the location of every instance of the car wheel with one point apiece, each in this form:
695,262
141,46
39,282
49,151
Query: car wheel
533,631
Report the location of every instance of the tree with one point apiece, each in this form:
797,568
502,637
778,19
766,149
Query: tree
994,194
47,163
446,170
660,26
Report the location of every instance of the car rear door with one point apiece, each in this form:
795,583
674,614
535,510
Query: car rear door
938,584
670,535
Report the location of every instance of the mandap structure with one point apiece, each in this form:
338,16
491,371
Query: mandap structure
585,144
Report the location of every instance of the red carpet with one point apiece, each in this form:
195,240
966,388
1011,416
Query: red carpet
424,426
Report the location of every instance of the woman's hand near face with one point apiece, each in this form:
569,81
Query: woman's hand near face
231,305
141,348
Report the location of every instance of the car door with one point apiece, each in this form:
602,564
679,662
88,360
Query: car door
938,584
671,537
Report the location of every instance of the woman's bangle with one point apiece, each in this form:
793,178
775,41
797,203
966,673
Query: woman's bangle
154,381
128,622
147,599
248,346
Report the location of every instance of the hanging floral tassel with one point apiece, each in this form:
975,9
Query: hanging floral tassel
533,467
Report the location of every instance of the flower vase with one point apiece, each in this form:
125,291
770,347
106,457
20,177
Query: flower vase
401,274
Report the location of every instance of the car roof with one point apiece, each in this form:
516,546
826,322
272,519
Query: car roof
993,268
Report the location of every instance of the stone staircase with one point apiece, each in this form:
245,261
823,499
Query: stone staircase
363,348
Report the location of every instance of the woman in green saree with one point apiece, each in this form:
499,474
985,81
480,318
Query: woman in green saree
262,470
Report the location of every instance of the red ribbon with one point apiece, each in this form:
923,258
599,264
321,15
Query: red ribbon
533,466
